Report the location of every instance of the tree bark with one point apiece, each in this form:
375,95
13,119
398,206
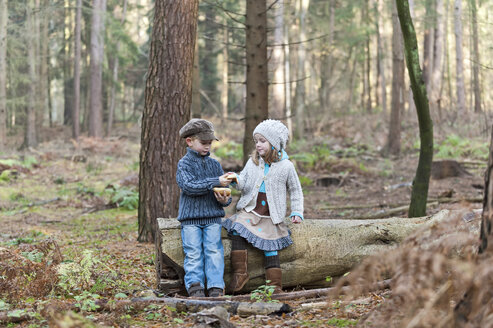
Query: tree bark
114,82
398,85
381,88
367,65
287,77
209,60
277,110
30,137
3,74
43,66
257,71
459,59
437,71
77,55
68,83
475,55
300,72
168,97
421,181
225,74
196,110
428,42
97,57
337,246
326,65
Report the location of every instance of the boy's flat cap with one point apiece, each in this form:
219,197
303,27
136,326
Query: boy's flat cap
202,129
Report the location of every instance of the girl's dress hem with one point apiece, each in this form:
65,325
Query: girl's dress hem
263,244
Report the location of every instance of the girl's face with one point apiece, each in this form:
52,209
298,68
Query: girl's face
261,144
200,146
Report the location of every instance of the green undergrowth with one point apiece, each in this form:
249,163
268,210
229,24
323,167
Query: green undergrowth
323,158
228,150
457,147
82,209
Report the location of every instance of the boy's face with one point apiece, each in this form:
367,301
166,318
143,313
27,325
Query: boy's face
200,146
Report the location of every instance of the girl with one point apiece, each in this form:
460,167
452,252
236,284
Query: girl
263,183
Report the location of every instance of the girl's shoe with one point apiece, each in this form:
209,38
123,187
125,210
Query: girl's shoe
239,260
275,277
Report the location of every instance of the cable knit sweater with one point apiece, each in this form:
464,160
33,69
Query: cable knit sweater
280,179
197,175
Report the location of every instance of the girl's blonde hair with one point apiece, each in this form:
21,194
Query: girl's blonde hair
272,156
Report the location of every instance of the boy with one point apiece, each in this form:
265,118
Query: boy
201,211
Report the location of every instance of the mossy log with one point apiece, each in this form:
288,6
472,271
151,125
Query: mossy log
321,248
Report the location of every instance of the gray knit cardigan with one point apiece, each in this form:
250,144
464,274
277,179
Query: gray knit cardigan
280,179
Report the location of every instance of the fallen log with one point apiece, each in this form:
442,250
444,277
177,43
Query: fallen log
306,294
321,248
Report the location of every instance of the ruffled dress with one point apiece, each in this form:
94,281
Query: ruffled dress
256,226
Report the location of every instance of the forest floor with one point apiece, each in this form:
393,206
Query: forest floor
84,200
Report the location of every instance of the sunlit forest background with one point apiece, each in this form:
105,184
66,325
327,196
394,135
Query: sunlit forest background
327,59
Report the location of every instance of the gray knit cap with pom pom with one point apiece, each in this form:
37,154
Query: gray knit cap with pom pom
275,132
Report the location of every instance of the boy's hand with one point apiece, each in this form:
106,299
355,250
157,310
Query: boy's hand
223,180
296,219
232,176
221,198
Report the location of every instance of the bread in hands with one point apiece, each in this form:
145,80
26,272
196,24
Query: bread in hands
222,191
232,177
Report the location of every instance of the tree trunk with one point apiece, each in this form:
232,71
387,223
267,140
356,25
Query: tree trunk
475,55
225,74
326,64
209,59
196,109
257,71
3,74
437,71
398,85
68,83
447,68
111,112
337,246
300,73
77,49
459,57
367,71
478,296
421,181
43,68
168,97
287,77
30,137
97,57
381,88
428,42
278,111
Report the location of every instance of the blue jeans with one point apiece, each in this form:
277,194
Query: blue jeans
204,255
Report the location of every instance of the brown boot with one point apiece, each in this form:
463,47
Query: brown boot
275,277
239,275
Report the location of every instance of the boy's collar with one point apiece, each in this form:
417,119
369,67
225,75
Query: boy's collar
196,153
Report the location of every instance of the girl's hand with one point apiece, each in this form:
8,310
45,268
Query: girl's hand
223,199
223,180
296,219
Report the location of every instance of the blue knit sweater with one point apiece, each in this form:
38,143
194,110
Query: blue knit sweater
197,175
